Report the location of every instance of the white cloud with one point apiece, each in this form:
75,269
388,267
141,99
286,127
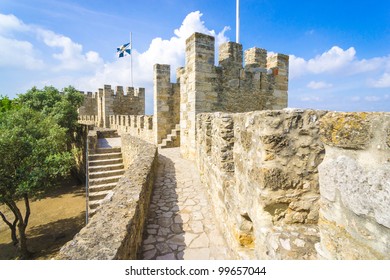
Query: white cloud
20,53
318,85
311,99
14,53
10,23
332,60
382,82
72,56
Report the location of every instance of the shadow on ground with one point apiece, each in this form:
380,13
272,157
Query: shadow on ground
163,234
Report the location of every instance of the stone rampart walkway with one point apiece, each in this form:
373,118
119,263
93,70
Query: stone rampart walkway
180,223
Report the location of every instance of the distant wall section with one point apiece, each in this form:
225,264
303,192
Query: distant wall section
100,105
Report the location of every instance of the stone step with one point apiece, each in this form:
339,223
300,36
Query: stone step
106,167
94,204
96,157
103,181
98,195
108,150
172,139
108,133
91,212
105,174
102,162
101,187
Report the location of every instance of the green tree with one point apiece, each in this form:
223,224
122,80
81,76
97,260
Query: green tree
7,104
62,106
33,157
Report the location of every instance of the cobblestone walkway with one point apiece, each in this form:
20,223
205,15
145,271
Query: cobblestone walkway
180,224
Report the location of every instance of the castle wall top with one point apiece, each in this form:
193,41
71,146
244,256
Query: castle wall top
230,53
108,91
200,49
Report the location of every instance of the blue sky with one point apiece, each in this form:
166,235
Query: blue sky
339,50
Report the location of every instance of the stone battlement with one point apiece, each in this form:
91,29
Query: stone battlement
140,126
107,101
130,91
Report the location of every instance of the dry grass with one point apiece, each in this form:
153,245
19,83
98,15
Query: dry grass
54,220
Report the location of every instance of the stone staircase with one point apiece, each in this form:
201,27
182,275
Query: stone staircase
172,140
105,168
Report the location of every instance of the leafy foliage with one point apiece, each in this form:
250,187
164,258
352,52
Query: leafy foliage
7,104
36,131
34,154
62,106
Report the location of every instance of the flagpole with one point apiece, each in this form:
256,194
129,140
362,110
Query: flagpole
238,21
131,58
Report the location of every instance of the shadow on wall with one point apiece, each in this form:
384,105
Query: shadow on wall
164,233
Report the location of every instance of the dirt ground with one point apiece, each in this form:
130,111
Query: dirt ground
54,220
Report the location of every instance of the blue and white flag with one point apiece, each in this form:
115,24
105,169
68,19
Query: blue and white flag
123,50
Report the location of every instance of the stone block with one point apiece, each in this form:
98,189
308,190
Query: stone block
346,130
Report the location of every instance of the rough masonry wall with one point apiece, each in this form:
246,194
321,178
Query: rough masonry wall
230,87
115,231
139,126
261,85
99,106
166,102
355,186
89,106
261,171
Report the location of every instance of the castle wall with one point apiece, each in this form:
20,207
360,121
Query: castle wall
89,106
136,125
166,102
262,84
197,89
261,172
115,231
355,186
99,106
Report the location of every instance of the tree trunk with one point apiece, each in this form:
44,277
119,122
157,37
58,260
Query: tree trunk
24,253
12,227
22,225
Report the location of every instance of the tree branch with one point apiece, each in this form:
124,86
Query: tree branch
28,210
5,219
12,227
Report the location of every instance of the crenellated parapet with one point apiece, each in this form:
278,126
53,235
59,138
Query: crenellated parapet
261,83
107,101
136,125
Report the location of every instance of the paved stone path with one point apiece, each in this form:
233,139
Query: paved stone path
180,224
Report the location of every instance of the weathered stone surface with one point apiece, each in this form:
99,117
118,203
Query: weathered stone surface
266,167
355,187
115,231
346,130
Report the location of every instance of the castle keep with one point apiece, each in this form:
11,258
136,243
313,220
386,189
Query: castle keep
282,183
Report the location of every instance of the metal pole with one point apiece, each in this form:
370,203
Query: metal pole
131,58
238,22
86,180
